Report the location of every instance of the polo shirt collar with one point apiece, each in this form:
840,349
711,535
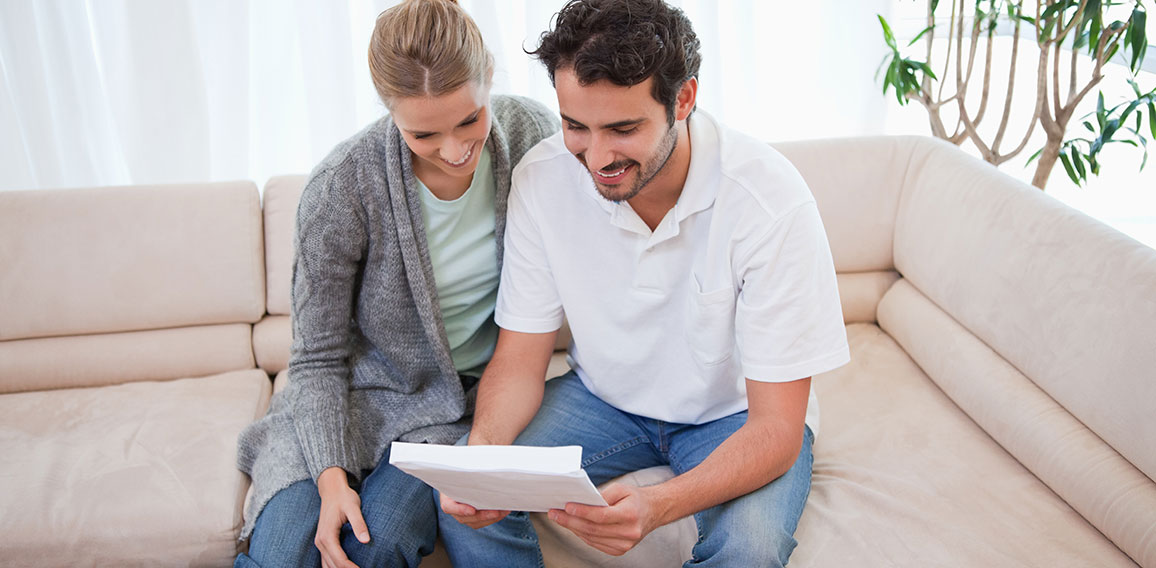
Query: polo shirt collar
698,193
701,188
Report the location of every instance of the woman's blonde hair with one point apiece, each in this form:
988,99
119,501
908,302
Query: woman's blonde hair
426,48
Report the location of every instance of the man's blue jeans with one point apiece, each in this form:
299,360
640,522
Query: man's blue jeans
754,530
398,509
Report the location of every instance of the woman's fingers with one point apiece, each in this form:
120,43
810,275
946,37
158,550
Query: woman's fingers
357,523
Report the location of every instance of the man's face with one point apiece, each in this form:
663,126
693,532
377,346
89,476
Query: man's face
620,134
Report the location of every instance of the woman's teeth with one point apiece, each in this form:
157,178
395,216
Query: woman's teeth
464,159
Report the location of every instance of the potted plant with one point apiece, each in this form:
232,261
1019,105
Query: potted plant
1096,29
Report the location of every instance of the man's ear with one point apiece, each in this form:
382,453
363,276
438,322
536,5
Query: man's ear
686,99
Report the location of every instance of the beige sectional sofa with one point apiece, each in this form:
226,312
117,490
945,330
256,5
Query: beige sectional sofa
999,409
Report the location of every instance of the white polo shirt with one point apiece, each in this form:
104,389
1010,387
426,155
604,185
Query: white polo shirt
735,282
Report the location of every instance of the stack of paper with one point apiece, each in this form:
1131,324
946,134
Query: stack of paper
507,478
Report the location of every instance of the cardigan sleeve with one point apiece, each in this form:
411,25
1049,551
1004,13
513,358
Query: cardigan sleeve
331,241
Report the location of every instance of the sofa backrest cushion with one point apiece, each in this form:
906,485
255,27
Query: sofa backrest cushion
1068,301
856,183
116,259
280,198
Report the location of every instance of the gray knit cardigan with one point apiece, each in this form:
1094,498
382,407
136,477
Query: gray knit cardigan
370,362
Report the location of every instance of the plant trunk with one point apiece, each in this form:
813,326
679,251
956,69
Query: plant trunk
1047,160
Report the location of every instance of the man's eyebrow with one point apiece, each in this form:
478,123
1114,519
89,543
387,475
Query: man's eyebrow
462,123
619,124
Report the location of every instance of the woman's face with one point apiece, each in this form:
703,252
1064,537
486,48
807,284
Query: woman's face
445,132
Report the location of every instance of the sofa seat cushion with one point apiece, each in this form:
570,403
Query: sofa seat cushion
902,477
141,473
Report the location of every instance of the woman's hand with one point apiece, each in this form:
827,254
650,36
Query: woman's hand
339,504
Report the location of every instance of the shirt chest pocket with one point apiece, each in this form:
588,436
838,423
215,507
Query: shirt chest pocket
710,330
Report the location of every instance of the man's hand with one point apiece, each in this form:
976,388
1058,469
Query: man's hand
470,516
339,504
614,529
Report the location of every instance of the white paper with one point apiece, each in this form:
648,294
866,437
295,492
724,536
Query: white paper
507,478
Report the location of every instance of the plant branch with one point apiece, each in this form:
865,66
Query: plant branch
974,45
987,76
1039,30
1045,112
947,59
925,87
1097,75
1076,18
1056,76
972,134
1072,73
1007,103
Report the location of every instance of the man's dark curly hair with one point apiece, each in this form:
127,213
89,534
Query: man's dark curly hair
625,42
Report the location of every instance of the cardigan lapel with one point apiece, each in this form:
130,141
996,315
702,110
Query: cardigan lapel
407,221
500,154
407,218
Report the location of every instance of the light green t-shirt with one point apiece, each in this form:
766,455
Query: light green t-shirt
464,253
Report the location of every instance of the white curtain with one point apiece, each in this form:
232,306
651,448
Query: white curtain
108,92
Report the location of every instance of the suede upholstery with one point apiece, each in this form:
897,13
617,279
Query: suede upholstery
998,408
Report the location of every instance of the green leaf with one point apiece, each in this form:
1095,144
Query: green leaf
1092,15
887,35
1131,107
1079,164
934,3
1144,143
1051,11
1033,157
1068,167
886,59
920,34
1137,28
1097,28
926,69
1152,119
1049,25
1112,52
889,77
1081,41
1089,126
1110,129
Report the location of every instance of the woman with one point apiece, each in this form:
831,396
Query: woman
398,255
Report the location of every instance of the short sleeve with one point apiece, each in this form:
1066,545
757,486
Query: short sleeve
788,319
528,299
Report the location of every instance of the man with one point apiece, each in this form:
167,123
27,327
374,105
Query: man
698,282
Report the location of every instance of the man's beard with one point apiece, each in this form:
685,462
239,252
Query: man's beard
646,173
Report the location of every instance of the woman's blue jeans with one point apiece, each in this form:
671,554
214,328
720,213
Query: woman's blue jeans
754,530
398,509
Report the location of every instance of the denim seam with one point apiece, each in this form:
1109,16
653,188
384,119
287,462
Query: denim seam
698,529
614,450
675,460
